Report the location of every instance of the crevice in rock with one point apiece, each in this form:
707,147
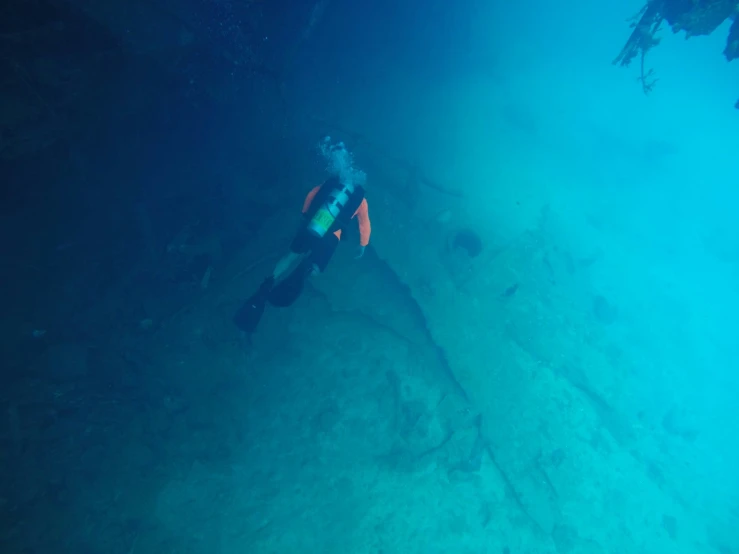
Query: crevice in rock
423,324
511,488
607,415
418,315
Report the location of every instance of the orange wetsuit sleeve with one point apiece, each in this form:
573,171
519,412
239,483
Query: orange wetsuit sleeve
365,227
309,199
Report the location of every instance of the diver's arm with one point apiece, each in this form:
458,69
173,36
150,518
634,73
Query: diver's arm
309,199
365,227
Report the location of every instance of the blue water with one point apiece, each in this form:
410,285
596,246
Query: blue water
535,353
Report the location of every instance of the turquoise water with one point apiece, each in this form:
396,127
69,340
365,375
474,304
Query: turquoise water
535,354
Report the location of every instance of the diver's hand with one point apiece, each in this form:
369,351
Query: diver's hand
360,252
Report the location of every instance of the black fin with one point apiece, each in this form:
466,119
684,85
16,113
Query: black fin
250,313
289,289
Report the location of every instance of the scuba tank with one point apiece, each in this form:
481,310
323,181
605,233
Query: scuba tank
326,215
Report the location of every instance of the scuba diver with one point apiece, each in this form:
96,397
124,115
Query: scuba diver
327,210
322,234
